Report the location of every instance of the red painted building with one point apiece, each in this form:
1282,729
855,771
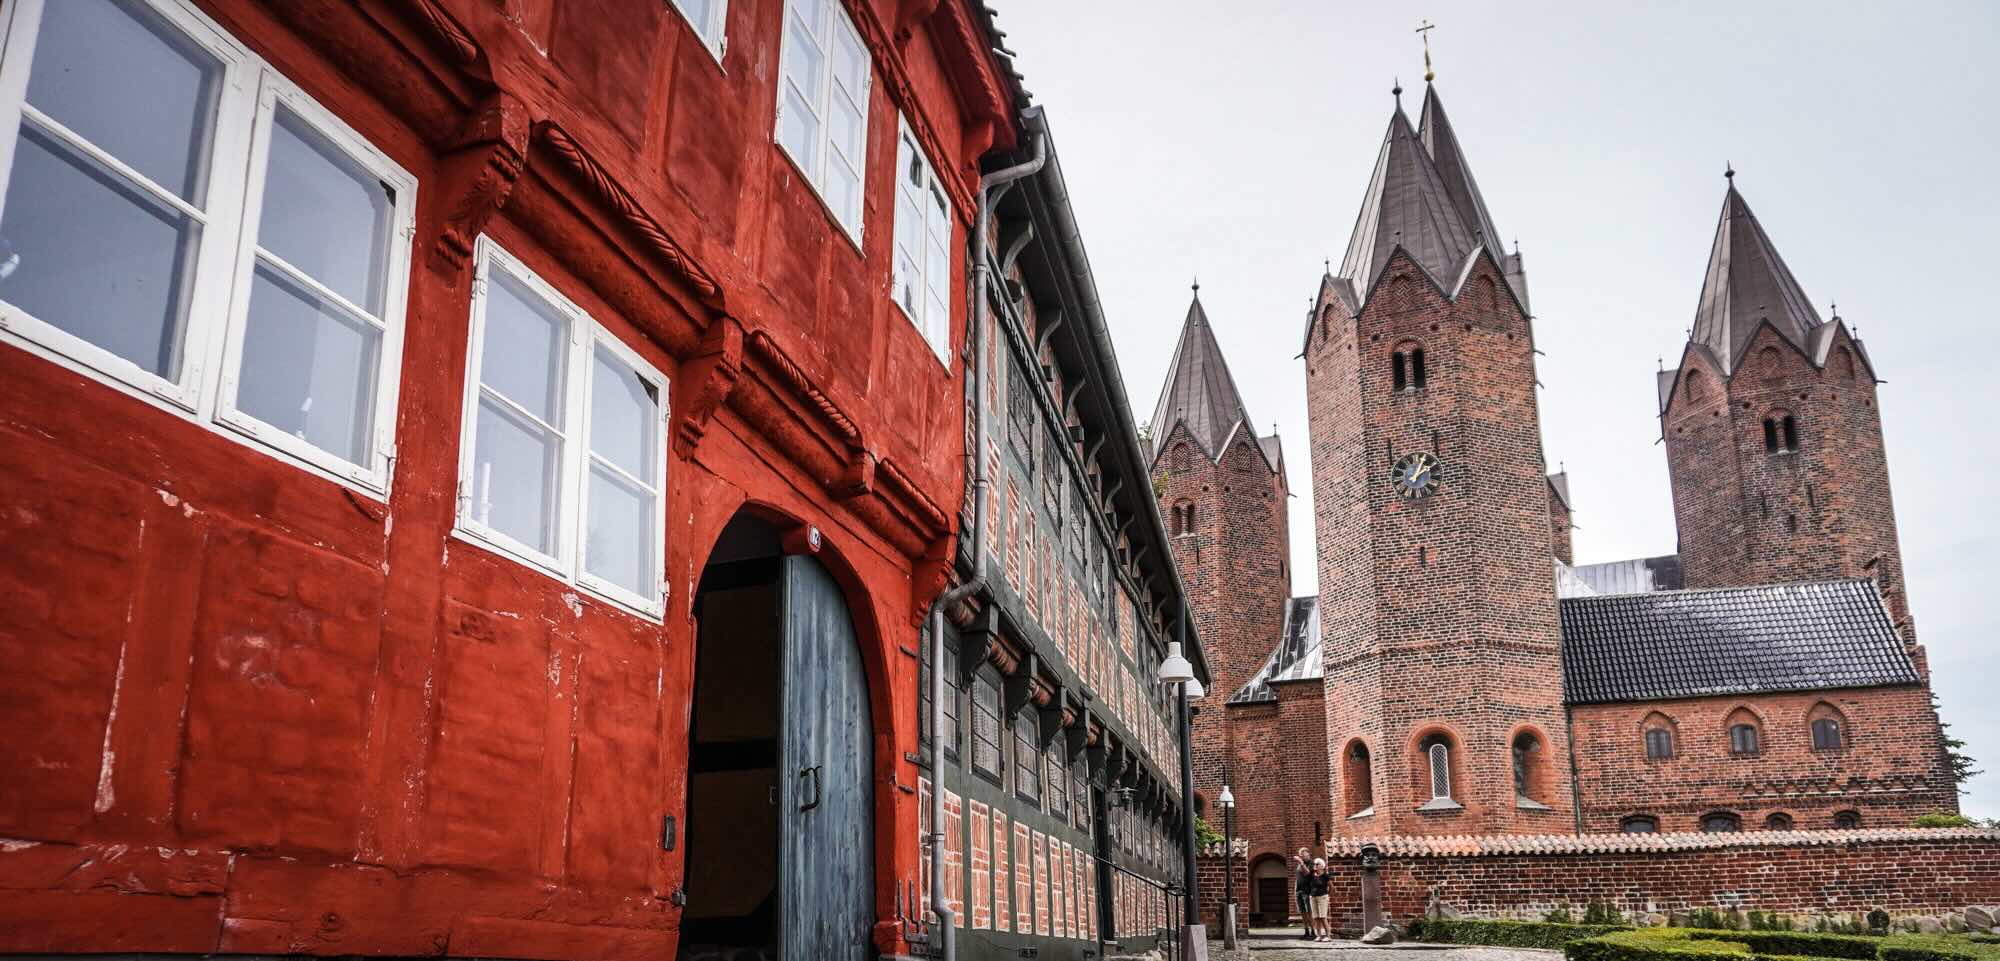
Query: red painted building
475,471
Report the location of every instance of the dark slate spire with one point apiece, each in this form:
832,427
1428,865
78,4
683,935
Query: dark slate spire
1747,284
1442,144
1199,390
1407,205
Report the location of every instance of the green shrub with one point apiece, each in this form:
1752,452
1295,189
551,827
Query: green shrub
1511,934
1695,944
1602,912
1943,819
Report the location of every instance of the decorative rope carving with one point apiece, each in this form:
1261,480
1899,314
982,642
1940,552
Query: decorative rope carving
768,351
607,189
446,31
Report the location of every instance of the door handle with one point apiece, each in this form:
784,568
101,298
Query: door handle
812,772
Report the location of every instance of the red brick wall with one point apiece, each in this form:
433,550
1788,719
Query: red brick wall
1560,524
1234,564
1920,872
1440,614
1890,770
1747,516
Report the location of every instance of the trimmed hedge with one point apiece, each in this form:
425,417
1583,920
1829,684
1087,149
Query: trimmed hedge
1703,944
1510,934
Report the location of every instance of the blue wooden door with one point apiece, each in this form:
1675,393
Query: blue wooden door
826,861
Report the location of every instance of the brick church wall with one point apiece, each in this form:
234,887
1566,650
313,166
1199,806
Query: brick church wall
1749,516
1440,613
1906,873
1889,770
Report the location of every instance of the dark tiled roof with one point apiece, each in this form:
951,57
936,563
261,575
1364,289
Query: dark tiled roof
1295,658
1748,284
1775,637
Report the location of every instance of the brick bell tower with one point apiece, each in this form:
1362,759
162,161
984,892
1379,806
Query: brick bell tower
1774,440
1222,491
1443,684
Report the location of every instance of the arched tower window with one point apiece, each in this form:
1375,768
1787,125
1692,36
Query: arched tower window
1435,750
1639,824
1358,778
1406,369
1530,776
1781,433
1846,820
1828,727
1744,737
1659,734
1721,822
1778,821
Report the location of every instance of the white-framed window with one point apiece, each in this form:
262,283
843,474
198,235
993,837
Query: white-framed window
562,461
707,17
181,222
923,271
823,104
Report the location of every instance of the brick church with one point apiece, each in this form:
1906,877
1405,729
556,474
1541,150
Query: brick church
1457,673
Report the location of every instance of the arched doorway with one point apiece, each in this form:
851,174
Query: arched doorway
780,833
1270,892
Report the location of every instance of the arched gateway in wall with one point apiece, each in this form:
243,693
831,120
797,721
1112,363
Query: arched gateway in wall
780,828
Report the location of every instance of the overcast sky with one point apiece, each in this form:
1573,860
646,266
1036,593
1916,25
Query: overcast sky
1236,146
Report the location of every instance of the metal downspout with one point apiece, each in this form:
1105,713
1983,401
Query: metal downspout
975,331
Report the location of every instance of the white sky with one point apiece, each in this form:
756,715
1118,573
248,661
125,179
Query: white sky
1236,147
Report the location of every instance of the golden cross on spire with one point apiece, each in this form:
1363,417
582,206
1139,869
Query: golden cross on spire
1424,31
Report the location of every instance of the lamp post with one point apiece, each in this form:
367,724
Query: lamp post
1176,671
1228,802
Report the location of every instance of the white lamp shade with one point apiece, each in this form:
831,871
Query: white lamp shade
1194,689
1226,799
1176,669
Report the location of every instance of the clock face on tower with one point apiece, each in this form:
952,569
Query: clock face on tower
1415,476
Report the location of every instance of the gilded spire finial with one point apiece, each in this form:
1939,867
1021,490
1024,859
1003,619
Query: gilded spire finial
1424,31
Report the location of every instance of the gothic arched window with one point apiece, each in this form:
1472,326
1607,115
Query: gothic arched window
1639,824
1846,820
1358,777
1778,821
1437,764
1829,729
1721,822
1743,733
1659,732
1529,777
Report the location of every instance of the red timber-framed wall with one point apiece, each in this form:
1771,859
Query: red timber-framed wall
252,709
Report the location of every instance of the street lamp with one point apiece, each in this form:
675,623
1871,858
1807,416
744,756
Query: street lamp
1177,672
1228,802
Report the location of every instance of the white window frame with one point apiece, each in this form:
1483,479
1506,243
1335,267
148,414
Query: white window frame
584,336
814,168
935,329
714,34
247,97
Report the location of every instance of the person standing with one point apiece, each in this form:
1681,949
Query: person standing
1302,881
1321,886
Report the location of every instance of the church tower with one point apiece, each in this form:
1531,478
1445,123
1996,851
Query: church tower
1774,440
1222,491
1443,674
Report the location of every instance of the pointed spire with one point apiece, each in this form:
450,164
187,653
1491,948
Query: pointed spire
1441,142
1199,390
1747,284
1406,205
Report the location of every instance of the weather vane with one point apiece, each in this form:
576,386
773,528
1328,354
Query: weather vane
1424,31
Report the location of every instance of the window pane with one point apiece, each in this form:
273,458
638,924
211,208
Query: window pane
812,12
97,258
130,84
624,416
324,214
525,348
700,13
800,132
308,368
514,477
850,59
618,538
847,129
805,64
843,192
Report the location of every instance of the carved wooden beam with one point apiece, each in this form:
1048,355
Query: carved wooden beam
629,213
478,176
706,380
